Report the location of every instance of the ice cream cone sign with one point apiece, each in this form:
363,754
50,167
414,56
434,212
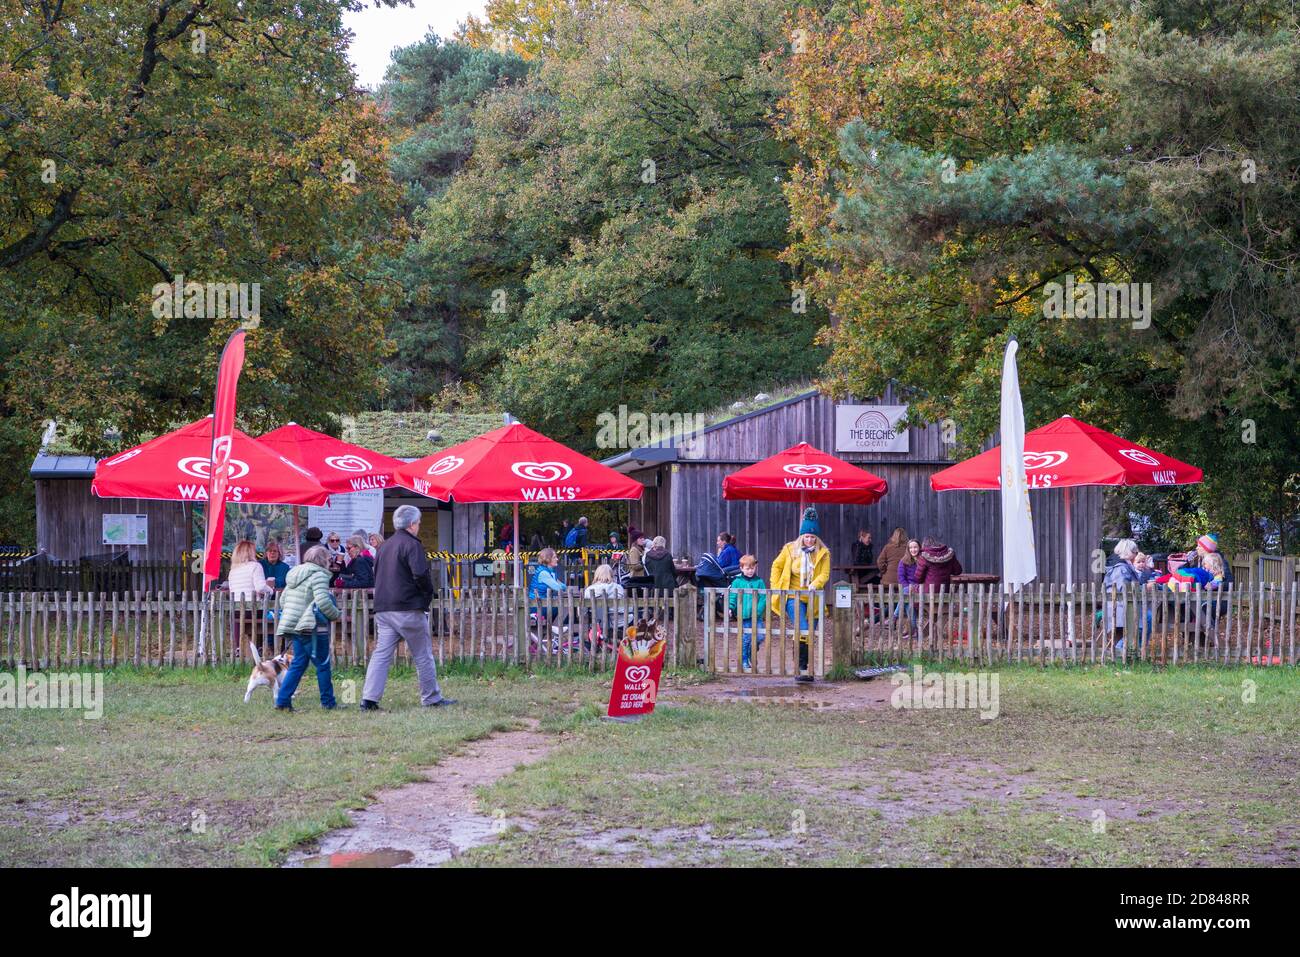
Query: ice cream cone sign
640,664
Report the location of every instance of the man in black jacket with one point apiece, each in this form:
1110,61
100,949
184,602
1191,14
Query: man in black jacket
403,590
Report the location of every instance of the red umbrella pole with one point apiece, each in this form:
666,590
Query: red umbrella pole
1069,550
516,534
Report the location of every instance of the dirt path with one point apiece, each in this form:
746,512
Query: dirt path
431,821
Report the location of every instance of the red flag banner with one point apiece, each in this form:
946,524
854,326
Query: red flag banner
636,676
223,427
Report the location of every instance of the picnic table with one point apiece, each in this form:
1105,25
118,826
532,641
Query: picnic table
976,578
862,574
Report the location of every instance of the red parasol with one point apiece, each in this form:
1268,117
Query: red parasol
339,466
1065,454
805,474
1069,452
514,464
175,467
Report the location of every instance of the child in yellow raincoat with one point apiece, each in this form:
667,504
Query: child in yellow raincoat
803,564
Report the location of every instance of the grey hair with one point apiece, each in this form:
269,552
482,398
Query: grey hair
317,555
659,542
358,541
1126,548
405,516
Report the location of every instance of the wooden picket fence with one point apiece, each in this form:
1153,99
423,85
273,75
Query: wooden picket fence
779,621
50,630
981,626
1048,624
977,625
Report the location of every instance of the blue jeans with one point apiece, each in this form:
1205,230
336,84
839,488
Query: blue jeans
1144,629
805,638
316,649
744,643
910,605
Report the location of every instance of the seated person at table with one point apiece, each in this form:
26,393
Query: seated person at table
728,554
864,554
603,584
1209,574
659,565
359,572
274,567
543,581
750,613
1145,566
634,559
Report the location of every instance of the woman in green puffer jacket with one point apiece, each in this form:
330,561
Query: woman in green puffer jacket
305,609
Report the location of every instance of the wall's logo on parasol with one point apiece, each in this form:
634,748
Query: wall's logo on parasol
1137,455
348,463
801,469
448,463
542,471
201,467
1044,460
124,456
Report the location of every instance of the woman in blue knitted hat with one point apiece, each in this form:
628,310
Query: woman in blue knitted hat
803,565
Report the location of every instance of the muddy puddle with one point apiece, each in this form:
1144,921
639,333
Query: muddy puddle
429,822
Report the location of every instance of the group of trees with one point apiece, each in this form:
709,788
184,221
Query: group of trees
577,203
223,141
960,157
613,231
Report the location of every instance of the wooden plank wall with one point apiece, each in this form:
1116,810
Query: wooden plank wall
69,522
969,521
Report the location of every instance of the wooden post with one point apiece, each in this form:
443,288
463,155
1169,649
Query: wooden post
842,630
684,626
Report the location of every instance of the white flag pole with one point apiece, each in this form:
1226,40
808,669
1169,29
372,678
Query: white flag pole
1019,562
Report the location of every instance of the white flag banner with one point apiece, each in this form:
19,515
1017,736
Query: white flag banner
1019,563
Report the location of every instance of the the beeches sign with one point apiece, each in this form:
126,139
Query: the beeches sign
870,428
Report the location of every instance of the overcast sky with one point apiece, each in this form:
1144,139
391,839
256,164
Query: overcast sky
378,30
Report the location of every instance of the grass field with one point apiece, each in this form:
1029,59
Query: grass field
1102,766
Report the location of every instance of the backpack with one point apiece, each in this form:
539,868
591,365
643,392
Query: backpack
571,540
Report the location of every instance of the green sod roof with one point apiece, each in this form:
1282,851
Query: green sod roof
405,434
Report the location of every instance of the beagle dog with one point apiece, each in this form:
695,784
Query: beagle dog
269,673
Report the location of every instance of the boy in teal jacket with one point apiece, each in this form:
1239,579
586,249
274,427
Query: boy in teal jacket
742,606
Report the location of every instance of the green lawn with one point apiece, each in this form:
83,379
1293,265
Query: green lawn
1082,766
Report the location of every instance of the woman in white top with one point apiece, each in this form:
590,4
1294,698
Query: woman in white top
603,584
247,580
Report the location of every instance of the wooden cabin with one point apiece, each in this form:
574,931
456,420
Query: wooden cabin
683,500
